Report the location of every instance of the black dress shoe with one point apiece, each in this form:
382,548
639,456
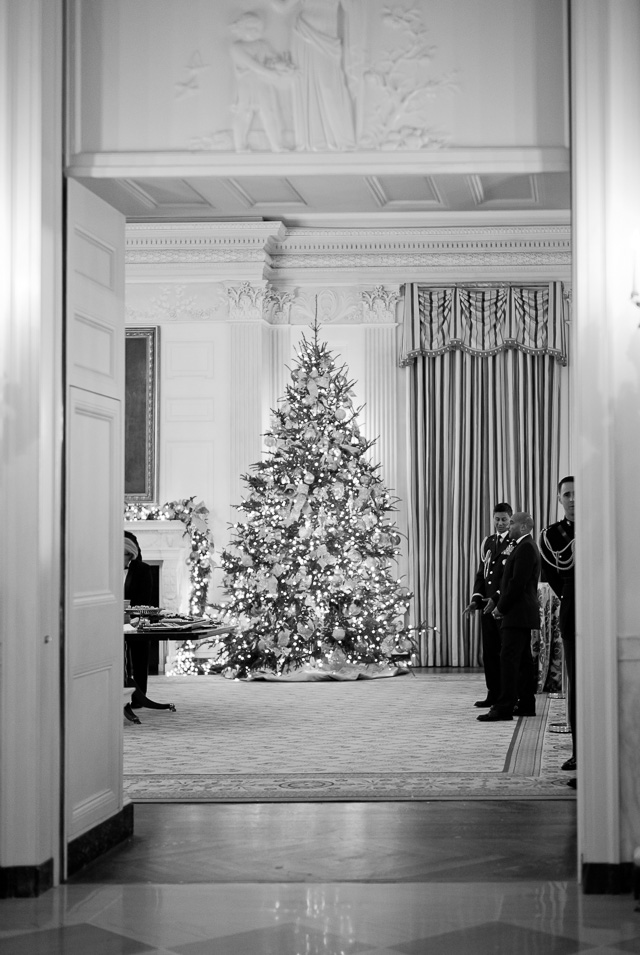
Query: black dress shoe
570,765
486,702
518,712
493,716
573,783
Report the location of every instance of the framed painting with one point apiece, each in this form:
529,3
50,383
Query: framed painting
141,415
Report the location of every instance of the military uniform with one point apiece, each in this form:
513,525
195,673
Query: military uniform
558,567
494,551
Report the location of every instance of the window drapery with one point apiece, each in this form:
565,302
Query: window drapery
485,366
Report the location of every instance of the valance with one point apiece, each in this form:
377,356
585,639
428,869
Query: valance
484,319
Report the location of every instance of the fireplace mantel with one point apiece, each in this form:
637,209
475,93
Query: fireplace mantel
165,543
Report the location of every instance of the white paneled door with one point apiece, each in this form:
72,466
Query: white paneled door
94,503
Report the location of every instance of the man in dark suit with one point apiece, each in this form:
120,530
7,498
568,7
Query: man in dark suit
518,611
558,567
486,592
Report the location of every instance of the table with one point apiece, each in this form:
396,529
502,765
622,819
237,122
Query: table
159,634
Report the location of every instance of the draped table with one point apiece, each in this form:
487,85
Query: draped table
546,643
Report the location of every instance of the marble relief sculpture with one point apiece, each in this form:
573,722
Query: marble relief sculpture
322,108
330,75
260,71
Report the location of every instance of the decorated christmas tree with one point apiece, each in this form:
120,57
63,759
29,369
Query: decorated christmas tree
309,570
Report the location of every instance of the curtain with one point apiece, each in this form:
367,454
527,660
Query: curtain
485,366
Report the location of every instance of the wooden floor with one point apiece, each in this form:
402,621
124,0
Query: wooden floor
467,841
449,877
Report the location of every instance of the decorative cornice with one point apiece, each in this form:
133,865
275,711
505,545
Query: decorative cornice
257,251
201,242
426,260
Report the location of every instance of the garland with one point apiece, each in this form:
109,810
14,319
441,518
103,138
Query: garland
194,517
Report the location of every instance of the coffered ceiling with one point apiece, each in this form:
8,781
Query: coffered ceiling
393,198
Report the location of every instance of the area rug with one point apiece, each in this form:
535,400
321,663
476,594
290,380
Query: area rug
414,737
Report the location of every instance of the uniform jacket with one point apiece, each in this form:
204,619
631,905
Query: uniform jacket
493,554
558,568
518,602
556,552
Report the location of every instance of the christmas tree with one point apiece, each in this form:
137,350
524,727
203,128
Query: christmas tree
308,572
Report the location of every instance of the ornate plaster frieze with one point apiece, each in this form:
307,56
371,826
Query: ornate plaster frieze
463,237
175,302
426,260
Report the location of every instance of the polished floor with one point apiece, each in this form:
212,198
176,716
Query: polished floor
457,878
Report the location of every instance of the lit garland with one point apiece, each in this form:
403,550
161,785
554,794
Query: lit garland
308,571
186,663
194,517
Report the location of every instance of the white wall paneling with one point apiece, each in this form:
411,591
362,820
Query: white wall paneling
249,403
189,409
279,376
381,409
194,403
189,360
190,460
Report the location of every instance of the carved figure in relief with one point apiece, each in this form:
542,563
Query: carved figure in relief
322,107
260,72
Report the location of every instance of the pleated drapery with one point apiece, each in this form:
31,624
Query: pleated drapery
484,366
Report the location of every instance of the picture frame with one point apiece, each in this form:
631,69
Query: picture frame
141,415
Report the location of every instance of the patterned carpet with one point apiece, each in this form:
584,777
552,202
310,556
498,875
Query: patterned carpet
412,737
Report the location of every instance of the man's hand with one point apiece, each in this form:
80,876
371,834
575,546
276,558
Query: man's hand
489,605
471,608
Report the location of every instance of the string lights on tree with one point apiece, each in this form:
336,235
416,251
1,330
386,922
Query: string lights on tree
309,573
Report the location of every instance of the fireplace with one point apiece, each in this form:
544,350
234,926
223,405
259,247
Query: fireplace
165,544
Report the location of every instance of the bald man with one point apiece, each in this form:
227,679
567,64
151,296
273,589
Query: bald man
518,612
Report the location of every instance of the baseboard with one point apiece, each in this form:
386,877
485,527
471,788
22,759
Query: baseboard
25,881
603,878
94,843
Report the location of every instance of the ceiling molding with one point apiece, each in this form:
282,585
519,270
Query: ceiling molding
202,251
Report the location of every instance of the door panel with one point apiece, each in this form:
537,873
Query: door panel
94,499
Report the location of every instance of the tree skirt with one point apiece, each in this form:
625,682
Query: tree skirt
308,674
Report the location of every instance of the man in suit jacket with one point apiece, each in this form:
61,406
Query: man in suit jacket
486,593
518,611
